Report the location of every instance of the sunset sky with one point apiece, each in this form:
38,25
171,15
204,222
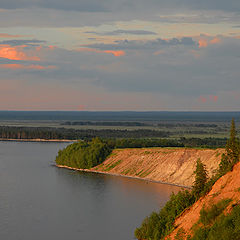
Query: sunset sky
120,55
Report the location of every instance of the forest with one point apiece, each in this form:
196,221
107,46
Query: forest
73,134
83,154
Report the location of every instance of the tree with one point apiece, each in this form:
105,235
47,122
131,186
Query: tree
200,178
232,151
232,147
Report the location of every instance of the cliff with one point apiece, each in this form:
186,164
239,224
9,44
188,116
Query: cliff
227,187
169,165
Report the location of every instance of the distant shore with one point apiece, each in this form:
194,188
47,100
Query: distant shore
119,175
36,140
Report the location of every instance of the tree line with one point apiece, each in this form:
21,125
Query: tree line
73,134
107,123
115,138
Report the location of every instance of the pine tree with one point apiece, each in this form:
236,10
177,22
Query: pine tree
232,147
232,151
200,178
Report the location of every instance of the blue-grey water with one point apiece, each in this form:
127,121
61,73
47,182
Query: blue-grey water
39,201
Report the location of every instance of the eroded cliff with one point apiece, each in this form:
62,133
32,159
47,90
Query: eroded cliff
169,165
227,187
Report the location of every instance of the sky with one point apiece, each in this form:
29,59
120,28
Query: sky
114,55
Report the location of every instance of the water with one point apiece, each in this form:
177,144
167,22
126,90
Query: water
39,201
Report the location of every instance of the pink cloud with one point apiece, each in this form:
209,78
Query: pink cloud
21,66
16,53
213,98
215,40
237,37
116,53
81,108
159,52
6,35
206,40
202,99
208,98
202,43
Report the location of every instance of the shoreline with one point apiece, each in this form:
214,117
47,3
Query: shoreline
36,140
119,175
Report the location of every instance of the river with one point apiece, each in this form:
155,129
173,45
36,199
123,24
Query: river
41,202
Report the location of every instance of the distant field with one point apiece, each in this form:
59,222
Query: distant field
178,124
188,130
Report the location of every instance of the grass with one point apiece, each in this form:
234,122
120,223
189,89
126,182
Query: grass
125,172
145,173
208,215
112,165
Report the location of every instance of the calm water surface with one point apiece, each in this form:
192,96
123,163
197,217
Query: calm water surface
41,202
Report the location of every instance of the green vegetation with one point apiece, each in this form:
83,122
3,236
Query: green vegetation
116,138
200,179
110,166
209,142
156,142
105,123
214,225
208,216
228,160
83,154
73,134
232,152
158,225
142,143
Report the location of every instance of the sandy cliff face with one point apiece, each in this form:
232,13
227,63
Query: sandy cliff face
168,165
227,187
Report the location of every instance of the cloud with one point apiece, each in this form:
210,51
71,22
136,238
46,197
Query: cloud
116,53
172,73
134,44
204,41
6,35
18,42
53,14
26,67
202,99
128,32
17,53
213,98
114,5
207,99
81,5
